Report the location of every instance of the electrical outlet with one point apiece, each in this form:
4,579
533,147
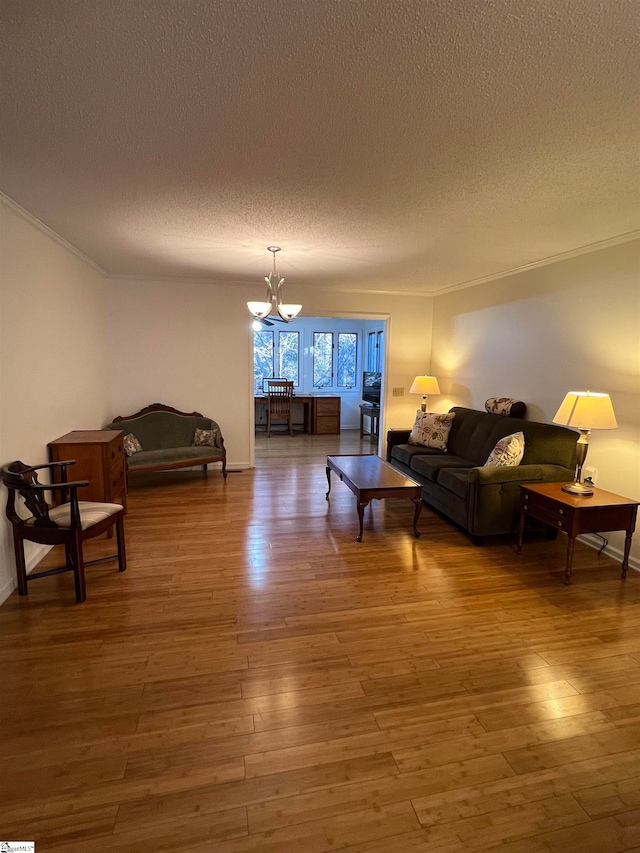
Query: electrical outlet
592,473
398,392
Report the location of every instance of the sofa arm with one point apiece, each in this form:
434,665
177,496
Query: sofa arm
396,436
492,475
218,441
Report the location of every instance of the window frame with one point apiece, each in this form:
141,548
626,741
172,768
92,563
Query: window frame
281,332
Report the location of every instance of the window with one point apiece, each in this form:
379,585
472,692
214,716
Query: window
262,357
289,355
344,371
347,352
322,359
267,353
331,361
375,348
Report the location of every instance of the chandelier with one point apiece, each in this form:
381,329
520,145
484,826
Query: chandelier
260,310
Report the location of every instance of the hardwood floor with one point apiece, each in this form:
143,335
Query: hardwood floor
259,681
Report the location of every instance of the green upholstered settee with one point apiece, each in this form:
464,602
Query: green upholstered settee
481,499
167,437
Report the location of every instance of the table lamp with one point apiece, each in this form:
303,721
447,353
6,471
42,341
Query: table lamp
424,385
585,410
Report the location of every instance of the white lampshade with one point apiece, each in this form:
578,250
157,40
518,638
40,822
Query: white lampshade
586,410
425,385
289,311
259,309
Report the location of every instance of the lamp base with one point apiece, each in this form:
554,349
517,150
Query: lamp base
577,489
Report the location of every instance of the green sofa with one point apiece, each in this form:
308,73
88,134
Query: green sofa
483,500
166,436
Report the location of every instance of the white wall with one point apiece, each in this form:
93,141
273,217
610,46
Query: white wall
53,352
571,325
190,345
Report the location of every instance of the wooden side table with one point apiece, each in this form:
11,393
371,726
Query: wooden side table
574,515
373,413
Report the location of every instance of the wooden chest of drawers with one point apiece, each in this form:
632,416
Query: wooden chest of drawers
99,456
325,416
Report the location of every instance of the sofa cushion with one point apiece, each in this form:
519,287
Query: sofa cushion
431,429
204,438
131,444
430,466
506,406
470,433
508,451
456,480
405,453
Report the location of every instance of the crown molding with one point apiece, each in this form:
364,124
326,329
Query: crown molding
49,232
543,262
485,279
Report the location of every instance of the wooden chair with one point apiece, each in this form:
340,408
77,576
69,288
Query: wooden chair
279,403
69,523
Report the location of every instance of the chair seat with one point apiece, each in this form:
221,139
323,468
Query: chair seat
91,512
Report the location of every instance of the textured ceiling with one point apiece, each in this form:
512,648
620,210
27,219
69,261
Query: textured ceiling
401,145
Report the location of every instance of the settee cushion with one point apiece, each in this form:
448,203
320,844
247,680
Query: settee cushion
204,438
131,444
170,456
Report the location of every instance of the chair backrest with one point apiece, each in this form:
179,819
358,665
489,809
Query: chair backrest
280,393
22,479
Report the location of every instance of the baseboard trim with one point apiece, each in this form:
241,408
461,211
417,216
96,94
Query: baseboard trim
36,555
611,551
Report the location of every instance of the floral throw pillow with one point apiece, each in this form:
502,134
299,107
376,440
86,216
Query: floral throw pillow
506,406
508,452
204,438
432,429
131,444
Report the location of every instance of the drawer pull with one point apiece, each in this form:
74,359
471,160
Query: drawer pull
560,512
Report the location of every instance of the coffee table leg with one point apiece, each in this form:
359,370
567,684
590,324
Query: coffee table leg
329,482
416,516
361,508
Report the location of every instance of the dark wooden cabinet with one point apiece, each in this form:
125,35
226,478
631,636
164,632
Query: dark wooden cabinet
325,416
99,456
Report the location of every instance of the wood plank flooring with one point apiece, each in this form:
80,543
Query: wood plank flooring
260,682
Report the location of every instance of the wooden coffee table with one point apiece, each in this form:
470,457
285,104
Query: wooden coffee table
370,478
